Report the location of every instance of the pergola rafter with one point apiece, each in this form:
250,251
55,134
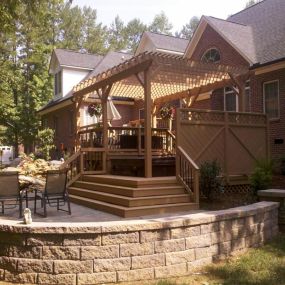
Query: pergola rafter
158,78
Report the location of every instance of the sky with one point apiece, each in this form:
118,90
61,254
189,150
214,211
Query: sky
179,12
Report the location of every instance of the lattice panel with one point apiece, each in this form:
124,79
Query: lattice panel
249,119
198,116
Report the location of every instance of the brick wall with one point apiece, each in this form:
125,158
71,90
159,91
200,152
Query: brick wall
119,252
277,127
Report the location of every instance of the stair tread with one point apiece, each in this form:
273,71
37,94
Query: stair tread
131,188
132,208
130,198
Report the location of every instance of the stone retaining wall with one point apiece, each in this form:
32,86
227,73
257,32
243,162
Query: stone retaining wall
93,253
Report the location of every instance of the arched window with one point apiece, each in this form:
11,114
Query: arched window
211,55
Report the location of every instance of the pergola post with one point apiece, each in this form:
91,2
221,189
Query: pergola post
147,123
77,123
104,99
240,84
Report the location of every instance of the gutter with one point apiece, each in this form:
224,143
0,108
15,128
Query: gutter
258,65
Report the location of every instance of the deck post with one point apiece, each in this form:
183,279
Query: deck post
147,123
105,94
77,123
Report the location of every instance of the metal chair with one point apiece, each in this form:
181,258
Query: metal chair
55,193
10,193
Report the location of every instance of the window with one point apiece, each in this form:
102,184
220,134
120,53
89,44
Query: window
211,55
247,96
271,99
230,100
57,83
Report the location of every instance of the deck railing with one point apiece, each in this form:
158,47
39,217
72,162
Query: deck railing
85,161
127,139
187,173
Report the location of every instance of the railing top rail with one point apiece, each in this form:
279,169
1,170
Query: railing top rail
220,112
70,159
190,160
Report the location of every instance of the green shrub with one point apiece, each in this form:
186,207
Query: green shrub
209,177
45,139
261,177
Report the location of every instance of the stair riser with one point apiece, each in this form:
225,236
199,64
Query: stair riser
128,203
129,213
136,192
98,206
129,183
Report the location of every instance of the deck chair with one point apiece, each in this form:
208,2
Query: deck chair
10,195
55,193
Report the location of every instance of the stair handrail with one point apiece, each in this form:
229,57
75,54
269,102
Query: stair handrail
187,173
74,166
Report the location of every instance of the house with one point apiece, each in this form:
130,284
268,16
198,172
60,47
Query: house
231,69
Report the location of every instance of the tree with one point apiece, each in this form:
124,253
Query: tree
133,32
188,29
45,139
251,3
116,35
161,24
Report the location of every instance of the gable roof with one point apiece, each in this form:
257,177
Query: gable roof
257,32
77,59
238,35
267,21
167,43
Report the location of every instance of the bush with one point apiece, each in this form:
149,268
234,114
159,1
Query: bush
45,140
261,177
209,180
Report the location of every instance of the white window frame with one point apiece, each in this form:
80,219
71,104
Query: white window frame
278,98
248,88
204,54
57,86
225,94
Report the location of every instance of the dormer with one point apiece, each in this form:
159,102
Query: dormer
69,68
161,43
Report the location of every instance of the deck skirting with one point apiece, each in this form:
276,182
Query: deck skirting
130,250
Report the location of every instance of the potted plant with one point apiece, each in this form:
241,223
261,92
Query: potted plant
95,109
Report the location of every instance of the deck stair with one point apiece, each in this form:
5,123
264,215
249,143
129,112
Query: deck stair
131,196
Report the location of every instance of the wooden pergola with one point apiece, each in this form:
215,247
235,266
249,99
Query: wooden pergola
158,78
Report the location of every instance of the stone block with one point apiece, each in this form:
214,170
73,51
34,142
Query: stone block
118,238
169,245
225,225
136,249
225,248
21,278
149,236
59,279
148,261
238,244
236,223
69,266
41,239
197,264
215,249
12,239
8,263
82,240
209,228
259,218
254,240
221,236
136,275
170,270
35,265
203,252
185,232
96,278
113,264
61,252
180,256
25,252
198,241
95,252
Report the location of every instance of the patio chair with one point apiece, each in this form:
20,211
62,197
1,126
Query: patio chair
55,192
10,194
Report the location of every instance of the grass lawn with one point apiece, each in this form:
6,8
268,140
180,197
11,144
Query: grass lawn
262,266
